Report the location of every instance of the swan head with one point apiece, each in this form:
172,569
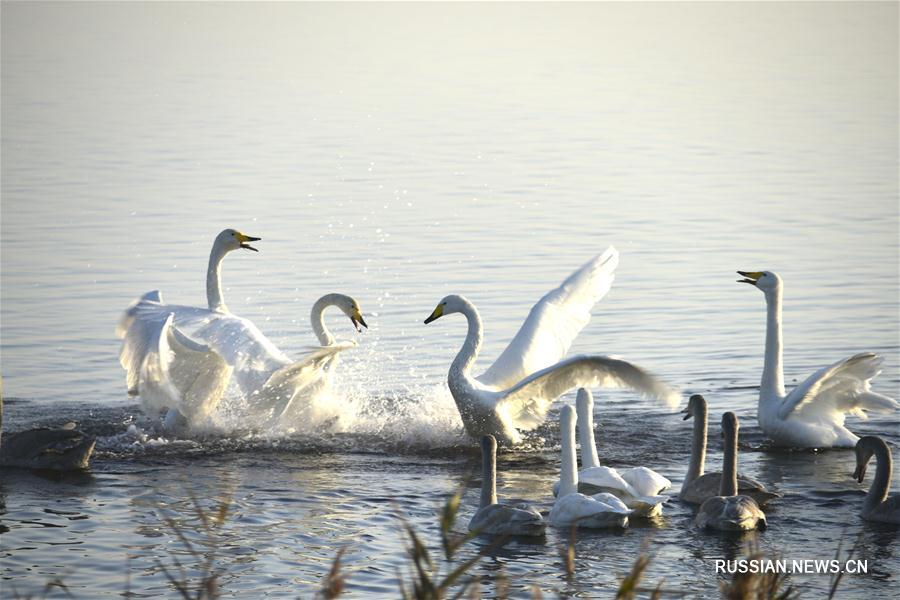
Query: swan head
865,449
232,239
767,281
350,307
696,407
730,425
449,304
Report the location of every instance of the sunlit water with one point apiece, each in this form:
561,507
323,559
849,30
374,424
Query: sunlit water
400,153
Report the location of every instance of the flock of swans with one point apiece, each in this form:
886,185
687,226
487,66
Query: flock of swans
180,359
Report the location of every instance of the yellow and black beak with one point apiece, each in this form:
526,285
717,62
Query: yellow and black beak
244,239
750,277
357,319
437,313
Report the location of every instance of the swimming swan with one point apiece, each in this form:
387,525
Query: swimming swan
163,364
493,518
728,511
61,449
275,386
598,511
877,506
812,415
638,487
518,389
699,486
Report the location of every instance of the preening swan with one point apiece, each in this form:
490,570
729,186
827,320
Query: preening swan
598,511
728,511
699,486
493,518
518,389
812,415
61,449
877,506
638,487
163,364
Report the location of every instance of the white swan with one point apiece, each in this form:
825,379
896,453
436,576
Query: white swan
877,506
728,511
573,508
493,518
812,415
638,487
699,486
163,365
518,389
275,386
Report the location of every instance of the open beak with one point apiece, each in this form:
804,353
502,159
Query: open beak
437,313
358,320
750,277
244,239
860,473
687,414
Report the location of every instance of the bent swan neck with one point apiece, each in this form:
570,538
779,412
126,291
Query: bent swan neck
585,406
317,318
466,356
878,493
214,279
698,448
772,383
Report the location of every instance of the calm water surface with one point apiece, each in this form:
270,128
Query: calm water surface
400,153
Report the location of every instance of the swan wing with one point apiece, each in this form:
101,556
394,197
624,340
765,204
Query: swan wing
843,387
554,323
245,348
646,482
176,371
527,402
301,373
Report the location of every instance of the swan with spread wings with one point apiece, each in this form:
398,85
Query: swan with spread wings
812,414
516,392
180,359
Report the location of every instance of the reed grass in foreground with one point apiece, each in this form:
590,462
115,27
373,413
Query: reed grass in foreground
436,577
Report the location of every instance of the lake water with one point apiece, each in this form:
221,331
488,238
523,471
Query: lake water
401,152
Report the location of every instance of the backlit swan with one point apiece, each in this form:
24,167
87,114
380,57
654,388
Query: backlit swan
517,390
699,486
877,506
573,508
163,365
277,388
728,511
812,415
493,518
60,449
638,487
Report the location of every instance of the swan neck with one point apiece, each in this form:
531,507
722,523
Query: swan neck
317,317
728,486
878,493
773,375
466,356
214,279
488,478
698,448
568,480
589,457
